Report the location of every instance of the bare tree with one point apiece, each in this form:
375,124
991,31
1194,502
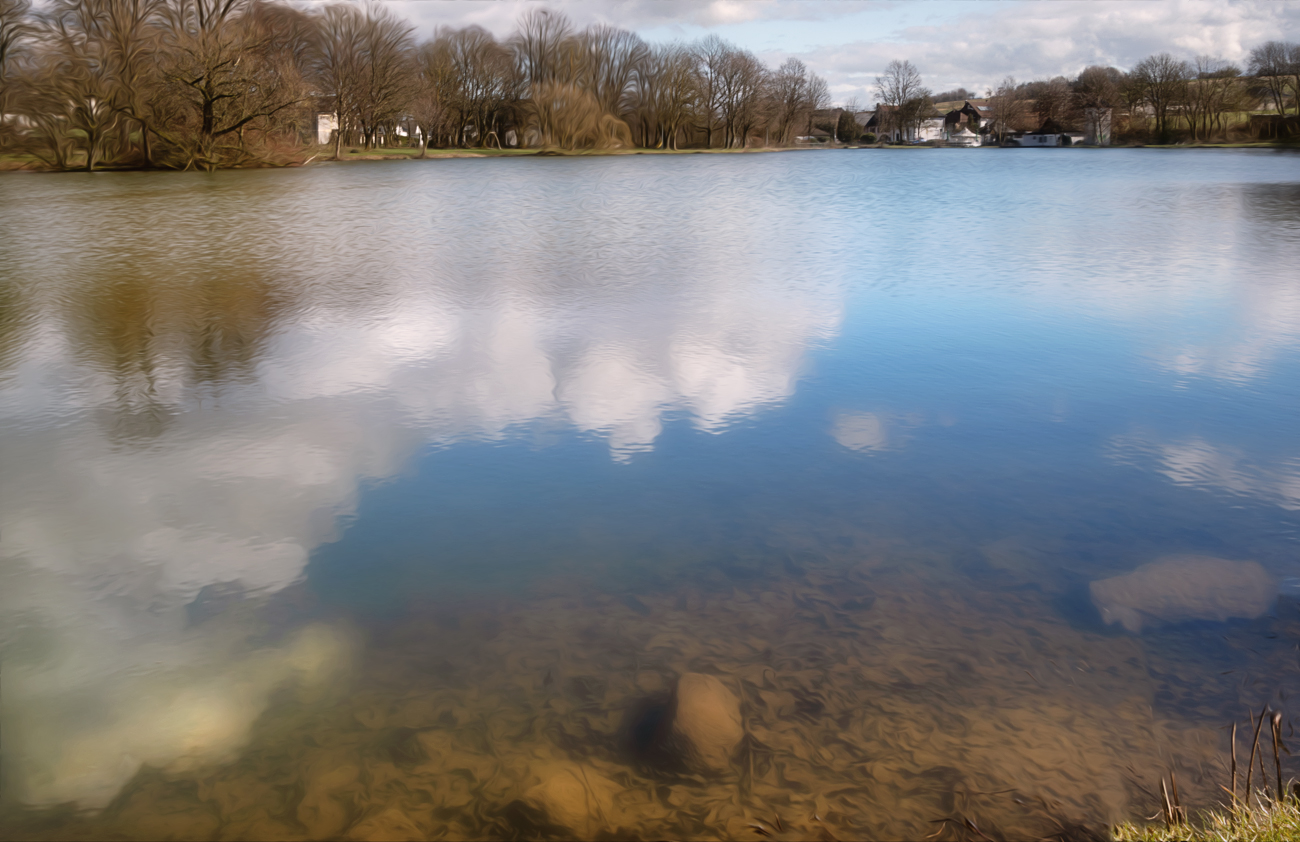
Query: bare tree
540,45
76,84
487,80
663,95
676,92
1294,64
16,29
228,71
1215,91
131,35
899,89
388,72
741,80
1098,87
1271,63
1054,101
340,62
1162,79
819,97
612,58
711,57
1007,109
790,92
432,104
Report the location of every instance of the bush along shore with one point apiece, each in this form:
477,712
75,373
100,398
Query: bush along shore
204,84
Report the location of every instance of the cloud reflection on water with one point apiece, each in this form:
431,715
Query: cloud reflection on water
199,390
218,410
1195,462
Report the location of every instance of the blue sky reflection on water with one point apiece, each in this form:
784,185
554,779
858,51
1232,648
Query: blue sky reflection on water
407,382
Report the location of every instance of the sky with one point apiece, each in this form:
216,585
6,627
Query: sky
968,43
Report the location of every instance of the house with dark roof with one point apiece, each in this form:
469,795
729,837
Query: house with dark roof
929,128
961,126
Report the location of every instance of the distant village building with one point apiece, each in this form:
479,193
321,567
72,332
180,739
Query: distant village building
963,137
879,123
1033,139
876,123
931,128
1048,134
961,126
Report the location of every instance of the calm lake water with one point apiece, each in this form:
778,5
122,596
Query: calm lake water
360,501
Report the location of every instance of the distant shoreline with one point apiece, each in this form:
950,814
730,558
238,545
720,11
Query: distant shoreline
14,163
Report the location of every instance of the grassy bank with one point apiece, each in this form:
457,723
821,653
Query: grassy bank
397,153
18,162
1271,822
325,154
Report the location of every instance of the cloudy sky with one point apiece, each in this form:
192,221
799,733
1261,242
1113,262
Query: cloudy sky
972,43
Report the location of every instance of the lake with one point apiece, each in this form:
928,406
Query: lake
369,501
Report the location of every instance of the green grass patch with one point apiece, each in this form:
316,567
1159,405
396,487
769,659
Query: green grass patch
1268,822
13,161
357,153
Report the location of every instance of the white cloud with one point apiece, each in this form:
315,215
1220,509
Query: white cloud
1033,40
953,43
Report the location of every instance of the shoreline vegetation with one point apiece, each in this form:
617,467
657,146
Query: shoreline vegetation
1266,812
1269,821
215,84
28,163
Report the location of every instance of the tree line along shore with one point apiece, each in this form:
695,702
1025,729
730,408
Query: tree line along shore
206,84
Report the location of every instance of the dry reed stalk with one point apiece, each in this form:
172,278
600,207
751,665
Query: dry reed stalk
1263,775
1250,764
1179,813
1276,723
1234,766
1165,807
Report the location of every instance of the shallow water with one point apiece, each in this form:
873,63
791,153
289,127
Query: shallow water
356,501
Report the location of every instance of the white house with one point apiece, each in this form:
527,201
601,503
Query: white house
963,137
1039,140
326,124
931,128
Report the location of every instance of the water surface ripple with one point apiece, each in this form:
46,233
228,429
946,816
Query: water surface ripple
390,501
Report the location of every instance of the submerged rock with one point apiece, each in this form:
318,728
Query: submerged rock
390,825
576,797
705,718
1175,589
